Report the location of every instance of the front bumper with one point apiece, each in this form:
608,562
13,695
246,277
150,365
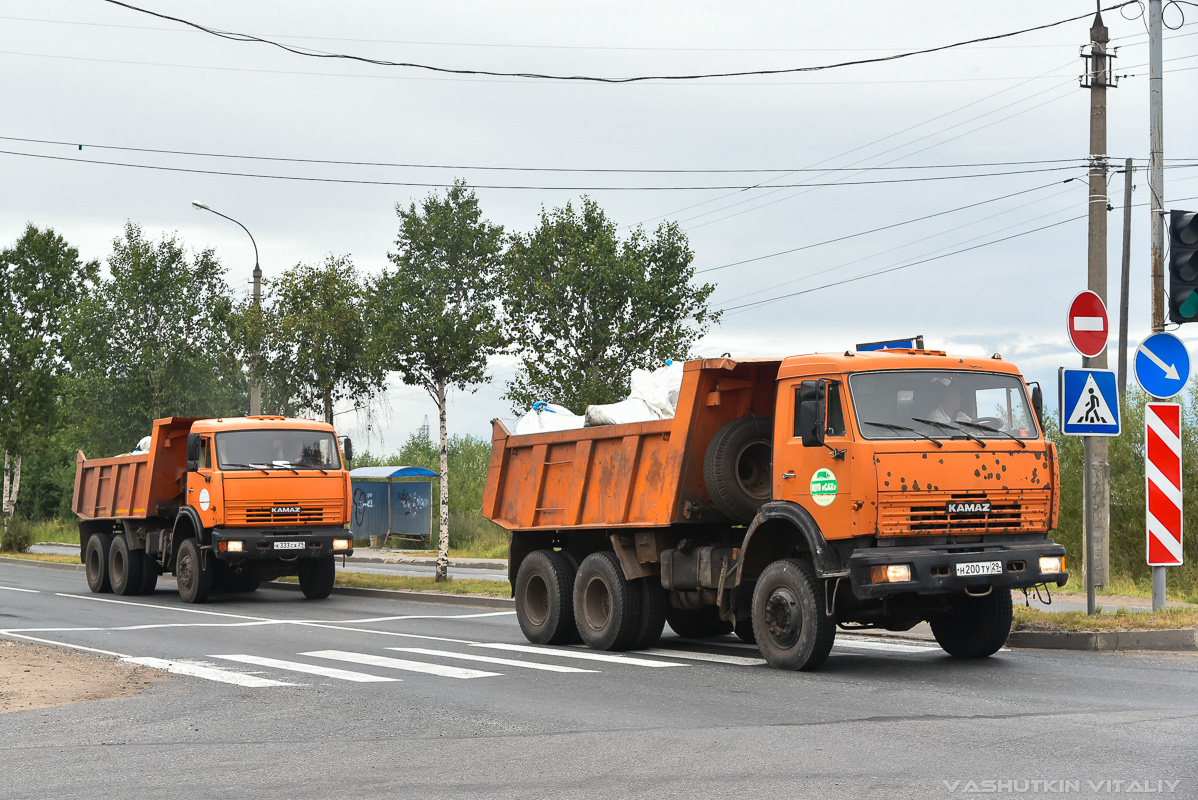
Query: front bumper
934,568
260,543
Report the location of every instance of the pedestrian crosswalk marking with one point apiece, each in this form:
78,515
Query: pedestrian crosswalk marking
310,669
399,663
585,655
196,670
873,644
511,662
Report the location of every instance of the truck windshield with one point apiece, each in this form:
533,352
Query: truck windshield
915,404
277,449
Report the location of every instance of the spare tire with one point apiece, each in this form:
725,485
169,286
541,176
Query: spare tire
737,467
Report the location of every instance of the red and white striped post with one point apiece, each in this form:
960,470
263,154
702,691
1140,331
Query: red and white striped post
1162,468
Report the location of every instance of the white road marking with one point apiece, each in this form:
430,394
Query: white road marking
418,616
585,655
163,608
740,661
511,662
874,644
15,589
384,633
208,673
399,663
311,669
738,644
63,644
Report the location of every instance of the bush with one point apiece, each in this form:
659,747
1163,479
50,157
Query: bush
15,535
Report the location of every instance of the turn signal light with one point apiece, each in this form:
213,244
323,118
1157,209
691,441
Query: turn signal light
891,573
1050,565
341,544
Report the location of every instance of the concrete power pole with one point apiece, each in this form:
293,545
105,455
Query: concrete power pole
256,357
1156,204
1125,278
1097,467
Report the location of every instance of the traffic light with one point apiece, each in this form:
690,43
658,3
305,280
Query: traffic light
1183,266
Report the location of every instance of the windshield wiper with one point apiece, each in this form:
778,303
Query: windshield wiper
893,427
968,435
311,466
1007,434
246,466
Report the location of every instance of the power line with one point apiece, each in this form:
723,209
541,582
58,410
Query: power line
442,185
311,53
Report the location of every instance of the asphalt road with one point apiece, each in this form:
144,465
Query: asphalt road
278,697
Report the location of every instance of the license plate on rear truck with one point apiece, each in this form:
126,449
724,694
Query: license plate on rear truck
979,568
300,546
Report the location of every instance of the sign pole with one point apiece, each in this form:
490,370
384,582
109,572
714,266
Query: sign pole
1156,204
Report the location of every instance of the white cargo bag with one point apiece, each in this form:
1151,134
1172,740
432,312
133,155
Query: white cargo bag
548,417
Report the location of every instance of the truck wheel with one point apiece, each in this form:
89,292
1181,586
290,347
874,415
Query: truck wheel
95,562
316,576
124,567
605,603
652,619
697,623
736,467
974,627
793,632
545,598
149,572
193,573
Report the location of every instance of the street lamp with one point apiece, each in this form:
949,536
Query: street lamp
255,386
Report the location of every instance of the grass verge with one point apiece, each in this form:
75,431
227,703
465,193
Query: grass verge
51,557
412,583
1121,619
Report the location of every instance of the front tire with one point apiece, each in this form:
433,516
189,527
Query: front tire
193,573
974,627
792,630
316,577
545,598
605,603
95,562
124,567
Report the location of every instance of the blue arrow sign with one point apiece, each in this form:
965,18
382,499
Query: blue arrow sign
1162,365
1089,402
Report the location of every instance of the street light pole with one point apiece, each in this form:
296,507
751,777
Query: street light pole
255,385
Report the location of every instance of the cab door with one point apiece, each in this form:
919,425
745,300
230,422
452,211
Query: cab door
817,478
204,486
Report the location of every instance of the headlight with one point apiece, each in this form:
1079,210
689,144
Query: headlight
891,573
342,544
235,546
1050,565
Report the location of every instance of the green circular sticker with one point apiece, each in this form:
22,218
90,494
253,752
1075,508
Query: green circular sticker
823,487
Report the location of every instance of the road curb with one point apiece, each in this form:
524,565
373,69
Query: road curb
1176,639
411,597
464,563
25,562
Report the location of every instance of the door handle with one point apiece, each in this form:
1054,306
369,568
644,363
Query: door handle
788,474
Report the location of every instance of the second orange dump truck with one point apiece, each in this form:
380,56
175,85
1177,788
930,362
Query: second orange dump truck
222,503
787,497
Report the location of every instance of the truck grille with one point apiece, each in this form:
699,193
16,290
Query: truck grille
1008,512
312,512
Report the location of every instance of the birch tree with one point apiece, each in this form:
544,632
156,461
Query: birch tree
435,315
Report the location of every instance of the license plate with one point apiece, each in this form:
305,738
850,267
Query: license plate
979,568
301,545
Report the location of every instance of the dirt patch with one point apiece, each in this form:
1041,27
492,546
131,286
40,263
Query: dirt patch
38,676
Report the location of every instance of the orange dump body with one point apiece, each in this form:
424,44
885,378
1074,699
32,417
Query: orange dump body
134,486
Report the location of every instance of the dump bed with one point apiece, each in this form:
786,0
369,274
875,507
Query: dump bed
138,485
641,474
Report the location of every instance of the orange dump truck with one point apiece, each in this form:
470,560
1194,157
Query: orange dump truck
787,497
222,503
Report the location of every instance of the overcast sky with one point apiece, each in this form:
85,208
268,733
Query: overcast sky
91,73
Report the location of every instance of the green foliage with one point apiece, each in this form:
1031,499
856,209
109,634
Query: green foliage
16,536
151,340
316,338
584,308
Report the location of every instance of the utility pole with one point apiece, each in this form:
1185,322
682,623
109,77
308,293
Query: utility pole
1097,467
1125,280
1156,205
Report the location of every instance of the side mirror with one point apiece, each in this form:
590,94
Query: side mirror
1038,404
193,452
349,449
813,410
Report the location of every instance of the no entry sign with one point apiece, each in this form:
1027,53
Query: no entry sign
1088,324
1162,467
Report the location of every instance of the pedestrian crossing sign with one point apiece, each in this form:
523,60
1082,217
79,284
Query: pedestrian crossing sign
1089,403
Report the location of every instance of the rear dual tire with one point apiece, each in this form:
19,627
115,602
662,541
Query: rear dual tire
95,562
544,593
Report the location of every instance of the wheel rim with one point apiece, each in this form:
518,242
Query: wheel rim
118,566
753,470
93,564
783,620
184,576
536,600
596,604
